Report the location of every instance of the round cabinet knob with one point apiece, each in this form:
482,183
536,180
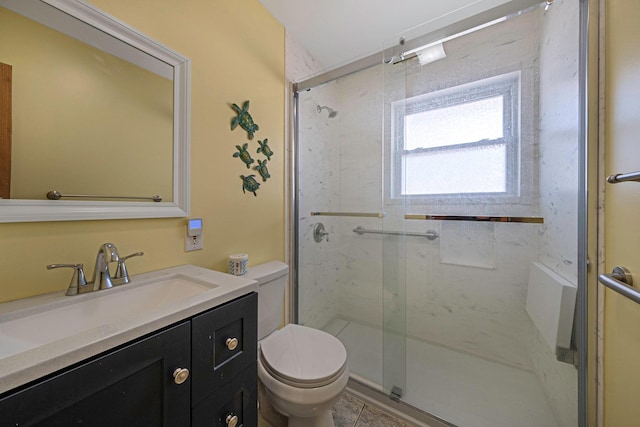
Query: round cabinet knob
180,375
232,420
232,343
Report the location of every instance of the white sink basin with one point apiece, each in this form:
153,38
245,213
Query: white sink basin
46,333
108,306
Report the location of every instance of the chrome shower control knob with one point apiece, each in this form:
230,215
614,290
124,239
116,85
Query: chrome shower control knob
319,232
180,375
232,343
232,420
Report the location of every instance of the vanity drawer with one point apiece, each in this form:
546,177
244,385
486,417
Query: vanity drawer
237,398
225,342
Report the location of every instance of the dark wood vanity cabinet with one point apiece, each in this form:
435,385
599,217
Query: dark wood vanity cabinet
129,386
140,383
225,347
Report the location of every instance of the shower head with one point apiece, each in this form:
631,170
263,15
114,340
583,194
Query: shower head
332,112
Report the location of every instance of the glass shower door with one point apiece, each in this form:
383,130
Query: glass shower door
350,281
480,140
394,341
435,191
340,272
395,245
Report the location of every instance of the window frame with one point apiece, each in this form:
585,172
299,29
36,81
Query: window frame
507,85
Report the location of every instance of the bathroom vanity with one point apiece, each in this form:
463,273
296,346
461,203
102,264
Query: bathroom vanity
175,347
189,360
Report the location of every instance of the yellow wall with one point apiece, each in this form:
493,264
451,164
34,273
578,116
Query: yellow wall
237,53
622,210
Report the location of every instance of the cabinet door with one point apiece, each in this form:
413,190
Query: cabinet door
130,386
235,403
215,358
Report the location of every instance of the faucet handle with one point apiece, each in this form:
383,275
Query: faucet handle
122,275
77,280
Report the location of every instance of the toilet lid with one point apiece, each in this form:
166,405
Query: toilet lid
302,356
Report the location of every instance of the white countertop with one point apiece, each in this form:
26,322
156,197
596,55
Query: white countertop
28,365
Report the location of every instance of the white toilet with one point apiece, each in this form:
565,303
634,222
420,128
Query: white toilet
303,370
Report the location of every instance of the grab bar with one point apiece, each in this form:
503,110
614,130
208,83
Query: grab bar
620,280
356,214
478,218
430,234
623,177
56,195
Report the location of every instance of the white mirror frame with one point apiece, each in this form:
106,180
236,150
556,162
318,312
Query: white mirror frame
17,210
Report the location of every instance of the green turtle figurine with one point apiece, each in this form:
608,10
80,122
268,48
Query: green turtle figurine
244,155
264,149
262,168
244,119
250,184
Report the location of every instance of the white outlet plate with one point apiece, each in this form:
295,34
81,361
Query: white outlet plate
192,243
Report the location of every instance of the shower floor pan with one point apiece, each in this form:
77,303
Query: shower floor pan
465,390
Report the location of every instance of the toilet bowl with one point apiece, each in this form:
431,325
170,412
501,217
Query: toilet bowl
302,370
304,373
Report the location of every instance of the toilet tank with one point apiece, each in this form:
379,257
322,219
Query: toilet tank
272,281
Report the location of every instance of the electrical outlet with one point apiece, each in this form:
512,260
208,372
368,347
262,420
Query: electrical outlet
193,243
193,235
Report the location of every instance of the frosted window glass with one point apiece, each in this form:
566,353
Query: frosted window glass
472,170
457,124
459,140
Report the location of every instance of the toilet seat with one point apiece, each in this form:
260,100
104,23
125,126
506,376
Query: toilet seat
303,357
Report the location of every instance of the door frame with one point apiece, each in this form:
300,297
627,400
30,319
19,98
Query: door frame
5,129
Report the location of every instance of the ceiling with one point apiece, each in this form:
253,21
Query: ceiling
336,32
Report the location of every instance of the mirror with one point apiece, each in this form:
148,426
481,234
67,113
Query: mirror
97,112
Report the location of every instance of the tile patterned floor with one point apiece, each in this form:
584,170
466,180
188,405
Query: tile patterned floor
352,412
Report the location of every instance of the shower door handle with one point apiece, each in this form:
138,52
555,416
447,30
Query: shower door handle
620,280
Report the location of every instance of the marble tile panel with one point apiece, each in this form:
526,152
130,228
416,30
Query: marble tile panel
299,64
470,244
373,417
346,411
559,380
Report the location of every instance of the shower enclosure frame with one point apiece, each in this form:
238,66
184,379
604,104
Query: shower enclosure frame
588,394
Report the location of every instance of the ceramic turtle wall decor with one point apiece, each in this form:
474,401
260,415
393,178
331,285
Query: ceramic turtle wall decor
262,169
265,149
244,119
244,155
250,184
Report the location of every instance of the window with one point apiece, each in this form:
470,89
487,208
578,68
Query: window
459,141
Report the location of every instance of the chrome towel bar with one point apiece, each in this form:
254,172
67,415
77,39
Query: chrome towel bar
56,195
620,280
430,234
356,214
477,218
623,177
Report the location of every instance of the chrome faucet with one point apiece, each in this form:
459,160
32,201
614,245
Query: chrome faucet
101,278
